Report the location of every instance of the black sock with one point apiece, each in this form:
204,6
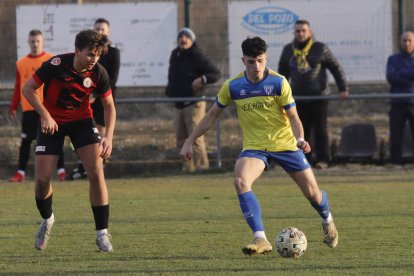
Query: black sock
45,207
101,216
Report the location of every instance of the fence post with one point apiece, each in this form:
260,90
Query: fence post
218,144
400,17
187,13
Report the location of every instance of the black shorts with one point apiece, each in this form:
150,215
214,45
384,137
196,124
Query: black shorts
30,124
98,112
81,133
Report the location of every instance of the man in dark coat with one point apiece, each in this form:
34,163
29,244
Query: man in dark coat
189,71
304,63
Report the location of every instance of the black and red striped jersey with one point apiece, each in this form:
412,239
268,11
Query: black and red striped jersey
66,91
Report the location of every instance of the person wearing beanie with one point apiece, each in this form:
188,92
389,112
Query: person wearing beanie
189,71
187,32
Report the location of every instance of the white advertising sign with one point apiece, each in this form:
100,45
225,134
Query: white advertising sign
145,33
359,33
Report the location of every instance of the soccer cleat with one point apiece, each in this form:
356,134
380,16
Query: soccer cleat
62,176
17,178
103,242
76,174
42,236
258,246
331,236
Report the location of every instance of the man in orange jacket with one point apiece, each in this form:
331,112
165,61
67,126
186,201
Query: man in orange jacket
26,66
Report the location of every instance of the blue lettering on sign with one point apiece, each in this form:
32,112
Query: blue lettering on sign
270,19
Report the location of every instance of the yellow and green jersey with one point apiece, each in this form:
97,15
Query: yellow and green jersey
261,110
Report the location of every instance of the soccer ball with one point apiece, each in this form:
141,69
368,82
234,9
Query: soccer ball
291,243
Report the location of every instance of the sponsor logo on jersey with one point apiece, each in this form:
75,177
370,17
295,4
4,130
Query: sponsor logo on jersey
243,92
40,148
257,105
56,61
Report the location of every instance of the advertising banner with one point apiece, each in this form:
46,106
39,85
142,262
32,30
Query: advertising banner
359,33
145,33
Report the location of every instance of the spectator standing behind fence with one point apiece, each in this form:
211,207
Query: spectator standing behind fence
189,71
25,67
272,132
111,62
400,75
69,80
304,63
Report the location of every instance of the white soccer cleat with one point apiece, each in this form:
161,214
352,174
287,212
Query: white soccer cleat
331,236
103,242
42,236
258,246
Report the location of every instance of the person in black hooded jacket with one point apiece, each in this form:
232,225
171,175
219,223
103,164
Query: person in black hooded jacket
189,71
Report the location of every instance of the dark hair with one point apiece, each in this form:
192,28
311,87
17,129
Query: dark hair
302,22
35,32
253,47
92,40
101,20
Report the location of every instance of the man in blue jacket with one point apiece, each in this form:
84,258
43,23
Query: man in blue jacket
400,75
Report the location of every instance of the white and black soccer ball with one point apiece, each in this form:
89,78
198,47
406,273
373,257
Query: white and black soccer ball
291,243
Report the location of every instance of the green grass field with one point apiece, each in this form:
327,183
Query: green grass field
177,225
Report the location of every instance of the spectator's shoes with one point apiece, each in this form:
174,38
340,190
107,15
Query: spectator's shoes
17,178
76,174
103,242
42,236
258,246
330,233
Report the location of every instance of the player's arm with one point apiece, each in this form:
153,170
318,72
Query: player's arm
16,97
110,118
205,124
47,123
297,129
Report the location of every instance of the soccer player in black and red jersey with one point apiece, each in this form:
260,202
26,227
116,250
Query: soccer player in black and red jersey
68,81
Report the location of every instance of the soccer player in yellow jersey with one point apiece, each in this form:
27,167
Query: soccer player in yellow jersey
272,131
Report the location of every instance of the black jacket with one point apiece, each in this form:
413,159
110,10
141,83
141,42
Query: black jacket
185,67
315,81
111,62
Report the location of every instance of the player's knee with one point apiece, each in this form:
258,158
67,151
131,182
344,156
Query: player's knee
241,185
43,182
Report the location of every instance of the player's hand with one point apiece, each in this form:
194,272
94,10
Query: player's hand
106,147
187,151
304,146
48,125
